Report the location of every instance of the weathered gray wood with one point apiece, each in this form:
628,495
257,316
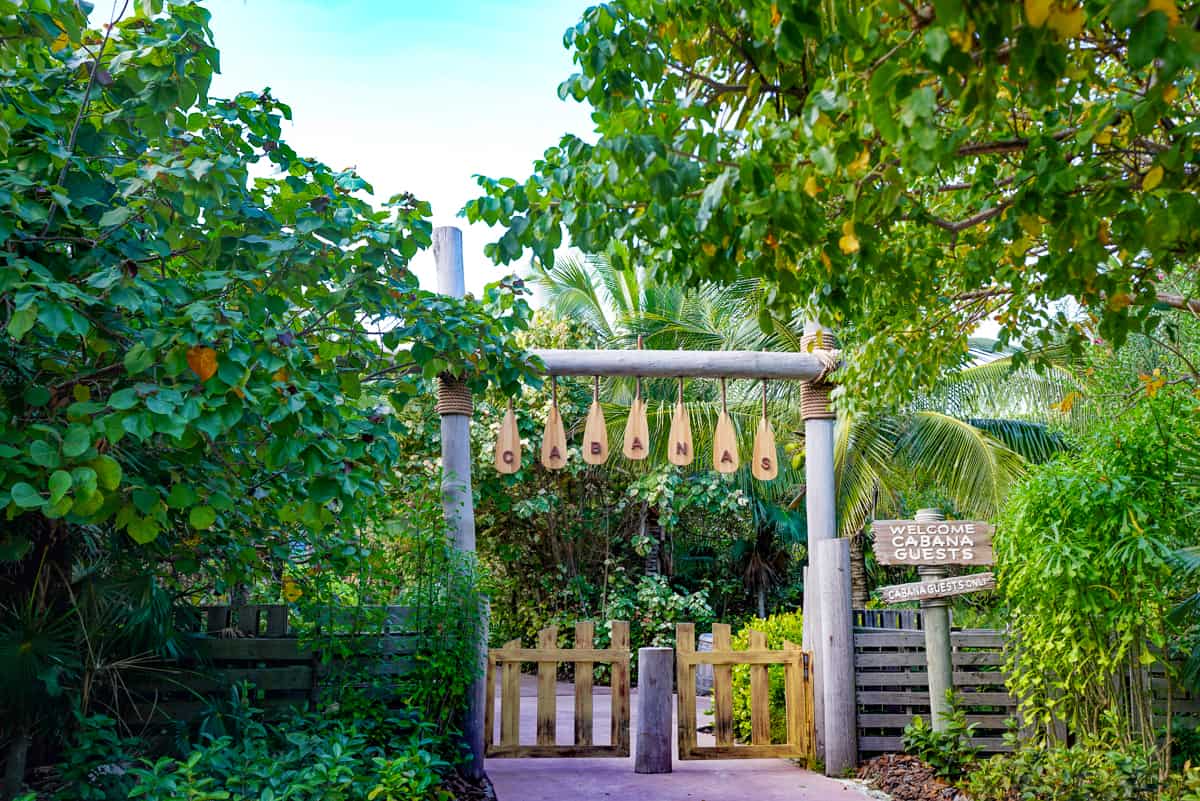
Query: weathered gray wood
938,588
457,503
891,639
914,658
917,679
889,745
919,698
655,731
933,542
841,749
681,363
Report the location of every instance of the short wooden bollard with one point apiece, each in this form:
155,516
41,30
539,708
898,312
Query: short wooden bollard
656,670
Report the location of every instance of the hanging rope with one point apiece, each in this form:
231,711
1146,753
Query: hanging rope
814,395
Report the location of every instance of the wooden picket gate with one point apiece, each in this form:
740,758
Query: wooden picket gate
548,655
798,692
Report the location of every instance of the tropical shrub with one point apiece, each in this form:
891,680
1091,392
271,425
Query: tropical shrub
654,607
785,626
1085,565
1080,772
948,751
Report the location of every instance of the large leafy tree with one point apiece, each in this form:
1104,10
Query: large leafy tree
203,334
903,170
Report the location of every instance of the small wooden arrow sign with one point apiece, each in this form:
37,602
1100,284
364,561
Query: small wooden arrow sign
508,444
725,450
554,440
595,431
637,429
679,446
764,463
938,588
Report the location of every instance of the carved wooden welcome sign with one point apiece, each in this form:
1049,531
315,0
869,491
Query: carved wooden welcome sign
636,442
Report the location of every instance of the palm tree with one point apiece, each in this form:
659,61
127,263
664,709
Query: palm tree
970,437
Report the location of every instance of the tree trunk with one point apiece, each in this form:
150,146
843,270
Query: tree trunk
762,601
858,572
14,766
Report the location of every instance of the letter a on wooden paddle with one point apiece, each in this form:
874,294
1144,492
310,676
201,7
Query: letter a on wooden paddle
508,444
725,450
679,447
595,432
763,463
637,429
554,441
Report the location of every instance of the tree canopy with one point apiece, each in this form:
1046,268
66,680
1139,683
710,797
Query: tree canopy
202,329
901,170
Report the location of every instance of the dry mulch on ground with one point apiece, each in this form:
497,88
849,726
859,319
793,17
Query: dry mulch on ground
906,778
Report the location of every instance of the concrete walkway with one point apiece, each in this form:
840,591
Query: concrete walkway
614,779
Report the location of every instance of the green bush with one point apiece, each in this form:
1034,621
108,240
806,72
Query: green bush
949,751
1077,773
778,628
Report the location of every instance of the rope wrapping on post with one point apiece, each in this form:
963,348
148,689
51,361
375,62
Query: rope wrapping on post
814,395
453,396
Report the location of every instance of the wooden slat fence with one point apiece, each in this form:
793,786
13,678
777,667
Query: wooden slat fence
258,645
892,685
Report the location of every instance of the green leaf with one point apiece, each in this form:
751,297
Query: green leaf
60,483
138,359
181,496
115,216
108,471
37,396
77,440
937,44
1146,38
202,517
123,399
143,530
25,496
43,454
21,321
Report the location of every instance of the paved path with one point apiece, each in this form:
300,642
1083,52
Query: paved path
614,779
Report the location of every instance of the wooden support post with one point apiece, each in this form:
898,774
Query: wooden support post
939,657
457,503
653,754
547,711
821,509
510,699
837,658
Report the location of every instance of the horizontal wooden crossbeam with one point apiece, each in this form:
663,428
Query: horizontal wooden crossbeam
683,364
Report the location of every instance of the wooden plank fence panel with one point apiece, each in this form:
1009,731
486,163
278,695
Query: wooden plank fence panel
510,700
760,695
685,686
585,637
620,687
722,687
547,712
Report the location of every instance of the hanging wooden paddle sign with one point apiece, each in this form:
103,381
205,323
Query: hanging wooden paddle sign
508,444
637,429
554,441
725,450
595,432
679,448
764,465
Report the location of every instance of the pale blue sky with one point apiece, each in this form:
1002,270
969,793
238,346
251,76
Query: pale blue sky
417,95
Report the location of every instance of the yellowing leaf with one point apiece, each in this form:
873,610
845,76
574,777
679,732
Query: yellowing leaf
1152,178
1167,7
1037,11
709,249
825,260
1120,300
280,375
81,393
811,188
776,17
1031,223
860,164
1170,93
1066,22
849,242
291,590
203,361
1153,382
1103,138
1067,403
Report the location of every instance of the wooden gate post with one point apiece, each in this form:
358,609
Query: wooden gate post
656,667
454,406
939,662
841,741
820,505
